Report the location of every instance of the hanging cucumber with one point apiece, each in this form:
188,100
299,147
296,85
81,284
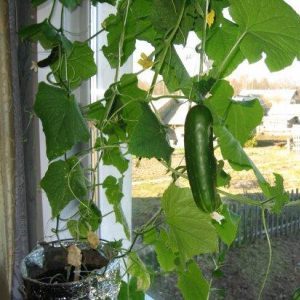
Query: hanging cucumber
199,155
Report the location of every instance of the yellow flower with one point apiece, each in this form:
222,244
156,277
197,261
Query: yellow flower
210,18
145,61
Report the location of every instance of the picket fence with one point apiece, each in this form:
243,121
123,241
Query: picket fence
251,226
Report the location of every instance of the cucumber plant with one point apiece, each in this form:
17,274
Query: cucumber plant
179,230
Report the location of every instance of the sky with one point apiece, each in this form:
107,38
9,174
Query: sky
257,70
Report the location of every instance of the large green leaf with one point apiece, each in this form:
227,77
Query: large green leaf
262,26
243,117
220,44
227,230
90,214
77,229
267,26
95,112
42,32
231,149
175,74
149,137
113,192
220,99
89,220
112,154
223,179
278,194
63,182
80,65
240,117
129,97
137,269
190,228
138,26
192,283
164,252
165,255
165,16
62,120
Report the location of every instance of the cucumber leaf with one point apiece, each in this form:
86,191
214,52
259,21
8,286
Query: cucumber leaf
267,26
136,268
63,182
227,230
79,63
63,123
128,291
43,32
192,283
113,192
149,137
190,229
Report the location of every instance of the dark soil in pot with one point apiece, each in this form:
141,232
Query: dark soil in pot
48,275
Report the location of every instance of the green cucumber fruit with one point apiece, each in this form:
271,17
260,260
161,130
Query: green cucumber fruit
200,160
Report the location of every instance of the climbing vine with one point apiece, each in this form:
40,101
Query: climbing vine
126,122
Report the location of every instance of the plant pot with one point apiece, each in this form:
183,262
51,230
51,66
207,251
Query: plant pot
44,273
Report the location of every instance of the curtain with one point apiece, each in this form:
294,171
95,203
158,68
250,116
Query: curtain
7,158
18,139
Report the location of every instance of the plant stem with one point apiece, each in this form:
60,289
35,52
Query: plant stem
166,49
152,219
270,254
61,29
173,170
94,175
52,11
121,42
107,214
140,232
57,229
209,289
203,41
241,199
293,203
229,55
169,96
94,35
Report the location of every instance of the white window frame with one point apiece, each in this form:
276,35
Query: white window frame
78,22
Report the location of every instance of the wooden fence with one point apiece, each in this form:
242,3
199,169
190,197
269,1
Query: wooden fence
251,226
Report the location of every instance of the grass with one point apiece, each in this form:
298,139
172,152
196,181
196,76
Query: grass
150,178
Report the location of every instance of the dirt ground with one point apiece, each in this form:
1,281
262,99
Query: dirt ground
243,273
243,270
245,267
